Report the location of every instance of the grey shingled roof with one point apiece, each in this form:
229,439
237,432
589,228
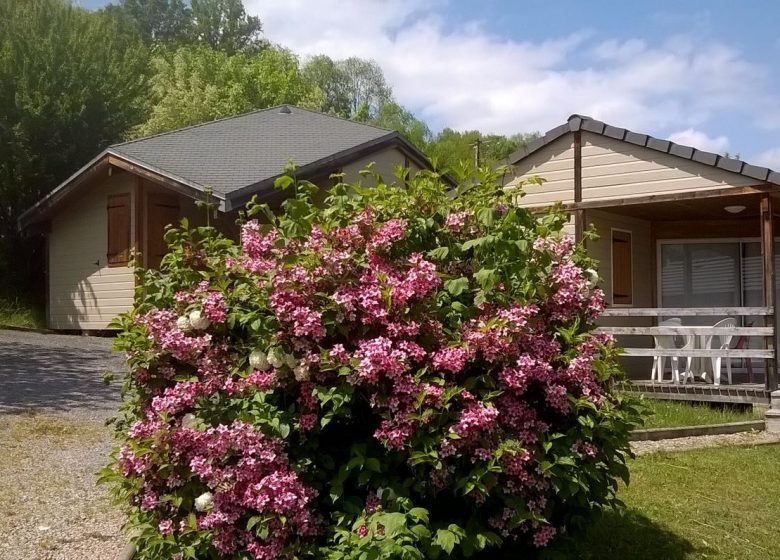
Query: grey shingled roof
241,156
588,124
234,153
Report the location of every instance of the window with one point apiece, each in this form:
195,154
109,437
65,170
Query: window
622,270
118,253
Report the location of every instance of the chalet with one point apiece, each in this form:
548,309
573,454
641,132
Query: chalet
686,242
124,198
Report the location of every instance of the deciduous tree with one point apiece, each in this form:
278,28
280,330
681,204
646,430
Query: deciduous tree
159,21
353,87
71,82
224,25
197,84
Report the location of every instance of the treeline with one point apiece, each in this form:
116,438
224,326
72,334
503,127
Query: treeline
74,81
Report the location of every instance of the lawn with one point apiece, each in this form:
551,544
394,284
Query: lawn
16,312
671,414
713,504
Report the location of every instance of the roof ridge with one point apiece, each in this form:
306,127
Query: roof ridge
340,118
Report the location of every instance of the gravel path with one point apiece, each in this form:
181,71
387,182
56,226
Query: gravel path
53,437
53,408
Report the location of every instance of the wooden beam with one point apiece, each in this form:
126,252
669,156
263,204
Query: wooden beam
682,331
768,259
703,229
606,204
159,179
701,352
579,215
683,311
140,207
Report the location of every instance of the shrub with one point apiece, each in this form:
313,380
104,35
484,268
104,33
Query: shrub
399,373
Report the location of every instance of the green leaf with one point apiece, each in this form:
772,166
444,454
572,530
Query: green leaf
471,243
419,513
439,253
393,522
486,278
457,286
446,540
486,216
283,182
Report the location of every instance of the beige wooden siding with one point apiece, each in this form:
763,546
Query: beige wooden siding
385,163
555,164
642,268
84,293
615,169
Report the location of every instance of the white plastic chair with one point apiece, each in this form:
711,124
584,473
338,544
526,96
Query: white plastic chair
668,342
722,341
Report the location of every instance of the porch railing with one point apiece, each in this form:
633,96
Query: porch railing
766,332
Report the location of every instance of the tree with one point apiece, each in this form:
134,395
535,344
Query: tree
71,83
197,84
366,85
224,25
353,88
395,117
163,22
331,80
456,151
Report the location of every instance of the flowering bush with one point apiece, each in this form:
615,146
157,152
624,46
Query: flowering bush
397,374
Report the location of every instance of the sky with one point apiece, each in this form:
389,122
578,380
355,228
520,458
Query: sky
701,73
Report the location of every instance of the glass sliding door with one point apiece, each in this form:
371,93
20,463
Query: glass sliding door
718,273
700,275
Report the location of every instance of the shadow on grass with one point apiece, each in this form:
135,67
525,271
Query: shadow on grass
618,535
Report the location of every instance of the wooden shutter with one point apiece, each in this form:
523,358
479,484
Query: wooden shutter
118,253
622,273
163,211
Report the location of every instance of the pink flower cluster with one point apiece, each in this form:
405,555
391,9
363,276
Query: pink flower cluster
247,473
457,221
214,307
350,304
258,248
162,329
387,234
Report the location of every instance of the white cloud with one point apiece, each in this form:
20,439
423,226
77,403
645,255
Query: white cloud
700,140
463,76
769,158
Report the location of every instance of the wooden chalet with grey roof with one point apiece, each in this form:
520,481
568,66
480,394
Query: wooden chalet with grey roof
686,245
125,197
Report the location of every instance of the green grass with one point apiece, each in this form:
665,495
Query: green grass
713,504
16,312
670,414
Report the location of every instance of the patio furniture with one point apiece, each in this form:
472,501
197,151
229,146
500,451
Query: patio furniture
747,363
722,341
669,342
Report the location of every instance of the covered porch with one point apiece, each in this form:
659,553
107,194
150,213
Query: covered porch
690,284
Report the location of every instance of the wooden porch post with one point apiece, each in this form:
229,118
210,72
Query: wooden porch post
768,257
579,214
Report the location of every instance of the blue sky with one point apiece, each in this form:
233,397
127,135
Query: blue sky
702,73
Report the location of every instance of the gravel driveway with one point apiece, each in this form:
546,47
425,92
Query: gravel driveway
53,437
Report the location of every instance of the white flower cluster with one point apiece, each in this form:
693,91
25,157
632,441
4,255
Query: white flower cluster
195,320
277,358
